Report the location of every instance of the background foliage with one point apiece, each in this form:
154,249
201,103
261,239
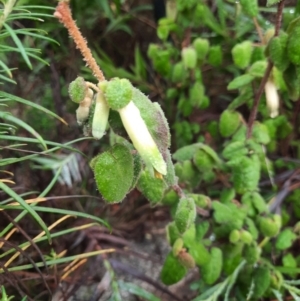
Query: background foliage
217,69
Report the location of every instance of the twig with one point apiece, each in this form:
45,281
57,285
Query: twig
279,17
266,75
178,190
257,99
258,29
64,15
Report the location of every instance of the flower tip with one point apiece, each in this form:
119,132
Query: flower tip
157,174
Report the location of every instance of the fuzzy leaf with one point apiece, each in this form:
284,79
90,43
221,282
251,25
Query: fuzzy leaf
272,2
185,214
285,239
172,270
113,172
240,81
229,123
186,152
211,271
151,187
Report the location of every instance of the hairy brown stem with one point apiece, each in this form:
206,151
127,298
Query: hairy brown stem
265,78
64,15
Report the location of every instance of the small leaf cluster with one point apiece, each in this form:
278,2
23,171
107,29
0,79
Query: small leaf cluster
228,223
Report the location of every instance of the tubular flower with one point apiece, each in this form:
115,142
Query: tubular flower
272,98
83,111
100,117
141,137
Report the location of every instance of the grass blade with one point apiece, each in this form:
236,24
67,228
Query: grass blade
59,260
32,140
27,207
136,290
31,104
19,44
24,125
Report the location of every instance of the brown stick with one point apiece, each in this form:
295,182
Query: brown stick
64,15
265,78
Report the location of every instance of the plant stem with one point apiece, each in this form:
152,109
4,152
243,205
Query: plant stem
8,7
64,15
265,78
257,99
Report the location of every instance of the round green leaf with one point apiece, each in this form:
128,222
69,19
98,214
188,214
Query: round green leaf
113,172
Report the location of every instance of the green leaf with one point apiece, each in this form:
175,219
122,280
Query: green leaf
258,69
19,44
199,252
185,214
27,207
229,123
246,174
215,56
235,149
140,64
285,239
250,7
186,152
113,172
241,54
272,2
5,68
211,271
172,271
151,187
6,116
240,81
137,290
31,104
261,133
262,281
222,213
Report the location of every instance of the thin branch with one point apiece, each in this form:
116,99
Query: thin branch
64,15
266,76
257,99
279,17
258,29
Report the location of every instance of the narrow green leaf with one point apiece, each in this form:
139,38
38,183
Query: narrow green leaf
7,79
5,68
33,6
43,36
137,290
278,295
38,59
19,44
53,235
28,208
272,2
30,15
21,123
31,104
32,140
54,261
58,211
240,81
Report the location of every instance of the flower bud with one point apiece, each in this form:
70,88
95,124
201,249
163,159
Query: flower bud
83,111
78,90
272,98
141,137
100,117
118,93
